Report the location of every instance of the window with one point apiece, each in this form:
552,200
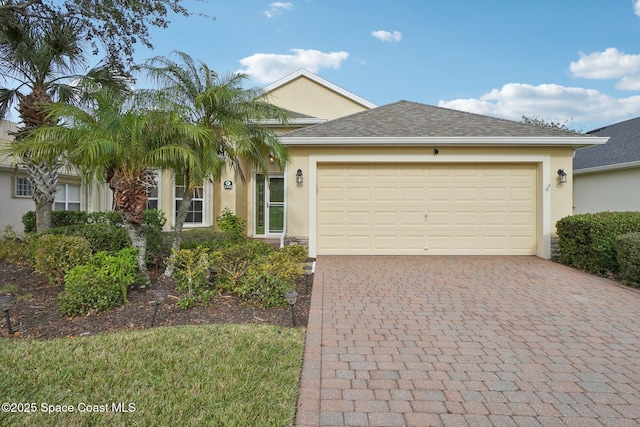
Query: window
196,210
23,188
67,197
152,194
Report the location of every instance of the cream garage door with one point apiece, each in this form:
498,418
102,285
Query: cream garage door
437,209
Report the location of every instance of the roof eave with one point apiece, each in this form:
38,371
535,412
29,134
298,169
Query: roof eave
607,168
570,141
299,121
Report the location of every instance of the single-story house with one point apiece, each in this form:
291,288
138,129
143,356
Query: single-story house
605,176
404,178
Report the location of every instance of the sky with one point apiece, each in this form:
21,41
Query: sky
575,62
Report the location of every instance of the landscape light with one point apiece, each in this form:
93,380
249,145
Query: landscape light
5,303
158,296
291,298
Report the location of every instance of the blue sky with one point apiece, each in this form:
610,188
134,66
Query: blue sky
560,60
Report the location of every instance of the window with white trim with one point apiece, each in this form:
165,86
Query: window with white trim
152,193
67,197
196,210
22,187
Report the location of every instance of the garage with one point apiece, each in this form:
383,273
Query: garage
427,208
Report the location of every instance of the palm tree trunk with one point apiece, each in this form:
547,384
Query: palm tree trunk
130,197
139,241
181,217
44,181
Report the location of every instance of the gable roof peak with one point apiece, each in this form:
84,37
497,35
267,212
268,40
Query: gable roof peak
302,72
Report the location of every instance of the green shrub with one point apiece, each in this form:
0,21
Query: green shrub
105,217
206,238
29,222
231,224
587,241
232,262
152,217
14,248
297,253
156,242
192,276
269,278
58,219
628,253
104,236
101,236
99,285
55,255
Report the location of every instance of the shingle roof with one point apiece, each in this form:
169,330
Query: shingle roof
411,119
623,146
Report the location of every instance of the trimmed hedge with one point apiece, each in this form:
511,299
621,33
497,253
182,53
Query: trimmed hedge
206,238
628,254
105,231
55,255
100,284
588,241
101,236
58,219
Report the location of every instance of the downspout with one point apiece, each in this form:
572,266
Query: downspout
282,236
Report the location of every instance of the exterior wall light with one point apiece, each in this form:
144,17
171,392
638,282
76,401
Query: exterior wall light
291,298
272,160
299,177
562,176
5,303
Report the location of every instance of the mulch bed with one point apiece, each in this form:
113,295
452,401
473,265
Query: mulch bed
39,317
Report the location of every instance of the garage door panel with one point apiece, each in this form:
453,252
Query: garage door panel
470,208
333,218
389,218
358,194
389,194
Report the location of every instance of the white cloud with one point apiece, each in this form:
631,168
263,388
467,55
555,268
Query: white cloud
636,7
277,8
269,67
551,102
610,64
387,36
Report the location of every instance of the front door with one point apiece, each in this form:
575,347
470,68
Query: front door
269,204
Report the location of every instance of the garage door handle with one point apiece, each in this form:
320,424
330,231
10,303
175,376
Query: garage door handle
426,216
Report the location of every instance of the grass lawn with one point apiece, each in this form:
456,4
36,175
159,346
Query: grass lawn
208,375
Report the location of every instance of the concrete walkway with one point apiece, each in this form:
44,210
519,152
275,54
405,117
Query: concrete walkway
468,341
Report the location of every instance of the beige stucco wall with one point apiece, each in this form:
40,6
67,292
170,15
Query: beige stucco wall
606,191
305,96
554,199
12,208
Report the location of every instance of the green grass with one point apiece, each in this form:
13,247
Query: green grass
210,375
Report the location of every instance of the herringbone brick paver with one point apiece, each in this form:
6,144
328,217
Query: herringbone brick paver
468,341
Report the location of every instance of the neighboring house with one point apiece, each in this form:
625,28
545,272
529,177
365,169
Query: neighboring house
606,177
16,192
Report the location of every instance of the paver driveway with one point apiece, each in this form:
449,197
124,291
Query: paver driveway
457,341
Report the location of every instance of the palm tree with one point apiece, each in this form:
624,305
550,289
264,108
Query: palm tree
40,57
236,115
119,143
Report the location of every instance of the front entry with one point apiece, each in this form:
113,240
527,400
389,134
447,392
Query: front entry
269,204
